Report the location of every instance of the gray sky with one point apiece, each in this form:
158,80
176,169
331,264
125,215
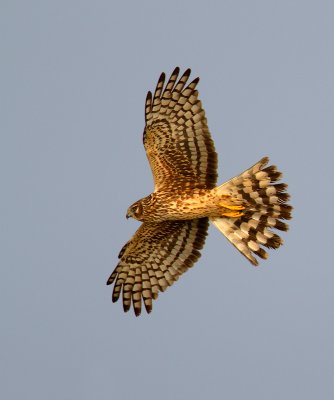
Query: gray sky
73,83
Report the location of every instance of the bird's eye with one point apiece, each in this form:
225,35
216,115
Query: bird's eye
138,210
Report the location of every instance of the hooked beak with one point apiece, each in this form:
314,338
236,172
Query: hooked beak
127,216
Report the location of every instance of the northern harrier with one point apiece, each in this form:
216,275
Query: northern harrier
175,217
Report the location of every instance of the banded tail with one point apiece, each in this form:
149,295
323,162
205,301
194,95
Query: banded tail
266,206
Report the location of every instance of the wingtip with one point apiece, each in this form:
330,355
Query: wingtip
137,312
162,77
176,71
149,95
196,80
126,307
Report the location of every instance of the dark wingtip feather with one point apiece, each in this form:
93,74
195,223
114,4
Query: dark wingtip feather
162,77
195,81
116,292
137,311
149,96
148,306
176,71
112,277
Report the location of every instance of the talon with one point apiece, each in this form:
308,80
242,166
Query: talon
231,207
233,214
232,210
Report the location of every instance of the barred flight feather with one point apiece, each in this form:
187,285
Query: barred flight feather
175,217
141,278
265,206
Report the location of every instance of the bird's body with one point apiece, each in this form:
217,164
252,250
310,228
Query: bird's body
197,203
175,217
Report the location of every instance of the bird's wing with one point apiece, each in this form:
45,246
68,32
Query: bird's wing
154,258
177,140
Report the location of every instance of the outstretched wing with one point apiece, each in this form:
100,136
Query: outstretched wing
176,137
154,258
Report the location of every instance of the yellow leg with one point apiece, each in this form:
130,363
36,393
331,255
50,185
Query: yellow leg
236,210
232,207
232,214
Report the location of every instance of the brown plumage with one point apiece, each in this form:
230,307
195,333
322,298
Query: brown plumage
176,215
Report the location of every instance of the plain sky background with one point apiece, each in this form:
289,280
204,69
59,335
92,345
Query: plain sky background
74,76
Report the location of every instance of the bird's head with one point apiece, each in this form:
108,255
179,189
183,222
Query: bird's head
135,211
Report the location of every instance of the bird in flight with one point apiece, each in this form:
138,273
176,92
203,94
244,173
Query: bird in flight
175,217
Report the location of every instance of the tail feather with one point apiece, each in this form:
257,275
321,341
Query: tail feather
266,206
